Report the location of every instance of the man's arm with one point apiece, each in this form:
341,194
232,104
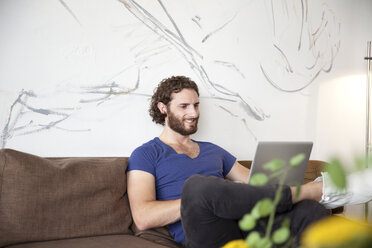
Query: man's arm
238,173
146,210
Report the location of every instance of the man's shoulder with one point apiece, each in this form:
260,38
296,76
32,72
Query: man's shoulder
208,144
150,147
145,156
150,143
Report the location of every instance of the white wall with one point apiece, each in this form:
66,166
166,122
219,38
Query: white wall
341,114
76,76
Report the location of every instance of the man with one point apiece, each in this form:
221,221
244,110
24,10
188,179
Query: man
173,177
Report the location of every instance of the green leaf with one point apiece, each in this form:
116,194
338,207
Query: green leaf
258,179
281,235
264,207
278,173
248,222
336,173
264,243
253,238
296,160
256,212
274,164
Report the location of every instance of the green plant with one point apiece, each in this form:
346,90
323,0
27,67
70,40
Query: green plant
281,237
336,171
266,207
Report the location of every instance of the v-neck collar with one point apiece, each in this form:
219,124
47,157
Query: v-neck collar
182,154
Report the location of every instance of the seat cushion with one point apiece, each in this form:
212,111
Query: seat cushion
111,241
159,235
58,198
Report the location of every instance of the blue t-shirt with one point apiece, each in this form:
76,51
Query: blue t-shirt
171,169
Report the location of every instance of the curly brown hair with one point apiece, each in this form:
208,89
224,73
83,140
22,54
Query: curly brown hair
163,94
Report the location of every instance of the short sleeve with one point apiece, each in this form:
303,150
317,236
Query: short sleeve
141,159
228,161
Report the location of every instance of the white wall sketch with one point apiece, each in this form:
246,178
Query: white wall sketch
76,76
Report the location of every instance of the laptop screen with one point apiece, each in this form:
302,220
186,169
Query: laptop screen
266,151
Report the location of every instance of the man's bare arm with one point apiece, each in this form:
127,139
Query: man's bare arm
238,173
146,210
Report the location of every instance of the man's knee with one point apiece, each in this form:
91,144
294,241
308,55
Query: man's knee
196,190
314,209
307,212
193,186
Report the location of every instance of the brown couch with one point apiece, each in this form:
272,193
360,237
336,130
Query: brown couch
73,202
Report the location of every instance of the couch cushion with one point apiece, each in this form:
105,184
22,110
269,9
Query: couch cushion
57,198
159,235
111,241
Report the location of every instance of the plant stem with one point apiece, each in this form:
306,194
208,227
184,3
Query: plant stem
278,195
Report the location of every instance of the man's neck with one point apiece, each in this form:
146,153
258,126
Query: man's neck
169,136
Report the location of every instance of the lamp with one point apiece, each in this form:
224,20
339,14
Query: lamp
368,113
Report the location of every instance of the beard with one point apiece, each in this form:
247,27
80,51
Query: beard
177,125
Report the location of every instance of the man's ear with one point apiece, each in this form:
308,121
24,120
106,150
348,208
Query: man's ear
162,107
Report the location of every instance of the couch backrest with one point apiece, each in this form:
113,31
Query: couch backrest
57,198
313,169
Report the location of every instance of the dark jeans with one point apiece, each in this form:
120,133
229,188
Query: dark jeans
211,206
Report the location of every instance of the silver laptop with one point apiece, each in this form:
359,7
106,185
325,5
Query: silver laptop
267,151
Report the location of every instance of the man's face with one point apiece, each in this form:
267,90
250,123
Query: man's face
183,112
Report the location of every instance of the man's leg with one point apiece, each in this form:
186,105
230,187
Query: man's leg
301,215
210,207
